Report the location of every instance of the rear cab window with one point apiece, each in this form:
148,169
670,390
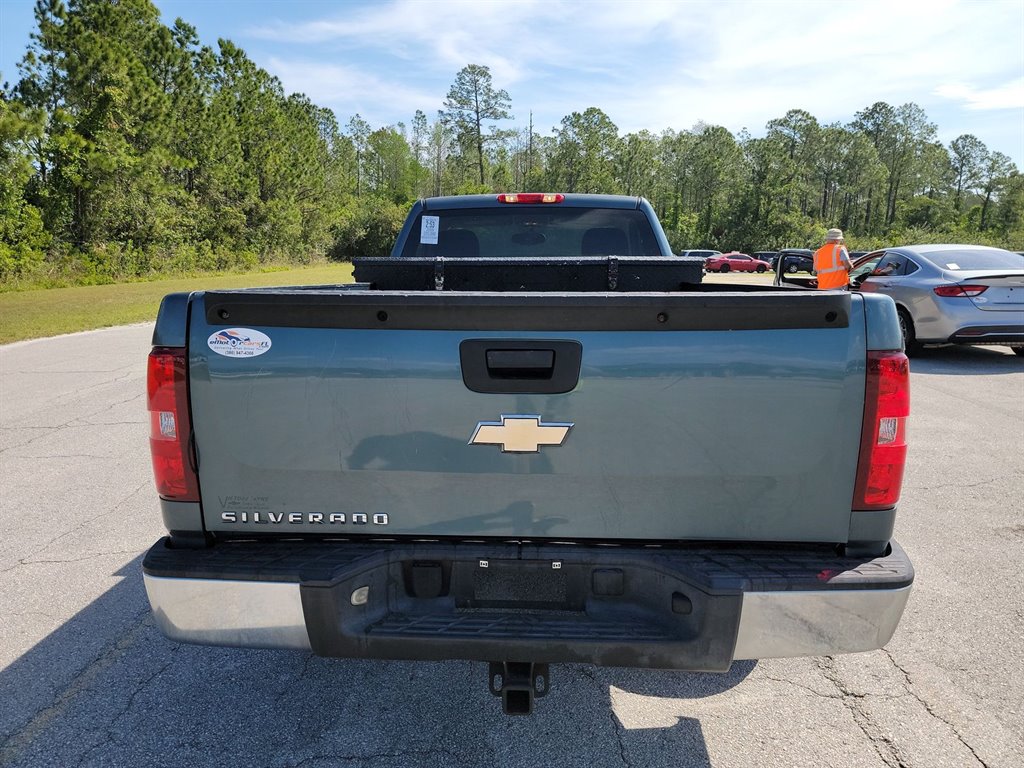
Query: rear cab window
534,232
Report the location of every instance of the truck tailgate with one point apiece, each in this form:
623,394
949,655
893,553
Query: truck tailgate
695,416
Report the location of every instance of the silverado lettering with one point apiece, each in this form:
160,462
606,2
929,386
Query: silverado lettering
296,518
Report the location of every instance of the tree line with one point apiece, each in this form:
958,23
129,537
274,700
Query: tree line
128,149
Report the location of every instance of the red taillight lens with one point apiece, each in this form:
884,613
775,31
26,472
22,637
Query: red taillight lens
170,431
954,291
530,197
883,441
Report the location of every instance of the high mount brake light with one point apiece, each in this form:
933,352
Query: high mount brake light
170,430
883,441
530,197
952,291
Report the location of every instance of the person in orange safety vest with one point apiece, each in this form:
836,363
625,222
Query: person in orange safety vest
832,262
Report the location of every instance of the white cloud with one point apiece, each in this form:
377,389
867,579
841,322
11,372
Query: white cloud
359,89
435,35
1007,96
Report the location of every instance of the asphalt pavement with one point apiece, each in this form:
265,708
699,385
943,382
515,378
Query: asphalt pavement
87,680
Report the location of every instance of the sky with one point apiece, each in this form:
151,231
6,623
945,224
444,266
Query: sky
648,64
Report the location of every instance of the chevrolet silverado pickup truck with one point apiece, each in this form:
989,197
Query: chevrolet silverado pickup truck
529,436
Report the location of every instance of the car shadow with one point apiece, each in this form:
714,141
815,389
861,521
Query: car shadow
106,688
965,360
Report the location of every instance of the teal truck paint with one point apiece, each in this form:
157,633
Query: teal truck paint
626,477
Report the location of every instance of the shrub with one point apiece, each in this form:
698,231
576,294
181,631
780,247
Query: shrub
23,242
369,227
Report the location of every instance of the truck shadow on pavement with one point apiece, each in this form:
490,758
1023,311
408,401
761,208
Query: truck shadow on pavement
966,361
107,688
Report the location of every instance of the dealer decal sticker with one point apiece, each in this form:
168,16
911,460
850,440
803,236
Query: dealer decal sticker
239,342
429,227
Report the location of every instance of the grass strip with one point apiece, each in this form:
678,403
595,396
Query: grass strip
52,311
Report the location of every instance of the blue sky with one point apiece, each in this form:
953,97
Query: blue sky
649,64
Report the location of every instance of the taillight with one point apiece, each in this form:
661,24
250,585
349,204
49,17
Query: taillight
883,440
530,197
953,291
170,430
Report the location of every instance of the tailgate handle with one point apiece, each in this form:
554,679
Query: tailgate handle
520,366
520,363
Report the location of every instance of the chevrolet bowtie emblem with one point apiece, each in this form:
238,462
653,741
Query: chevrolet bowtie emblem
519,434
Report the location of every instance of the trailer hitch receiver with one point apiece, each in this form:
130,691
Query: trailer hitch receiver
518,683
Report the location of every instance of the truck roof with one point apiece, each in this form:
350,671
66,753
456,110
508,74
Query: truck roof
570,200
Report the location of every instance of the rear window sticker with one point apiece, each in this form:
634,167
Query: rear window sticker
429,227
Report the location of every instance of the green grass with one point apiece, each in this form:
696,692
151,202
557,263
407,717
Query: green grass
48,312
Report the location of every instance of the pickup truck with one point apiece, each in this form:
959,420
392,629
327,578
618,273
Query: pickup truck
527,437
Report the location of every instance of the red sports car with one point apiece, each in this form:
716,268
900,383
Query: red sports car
734,261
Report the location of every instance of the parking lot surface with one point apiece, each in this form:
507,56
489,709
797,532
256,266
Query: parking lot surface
87,680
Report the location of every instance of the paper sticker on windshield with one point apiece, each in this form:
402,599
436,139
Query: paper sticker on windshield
238,342
428,230
953,266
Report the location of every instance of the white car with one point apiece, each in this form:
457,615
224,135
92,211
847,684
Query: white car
949,294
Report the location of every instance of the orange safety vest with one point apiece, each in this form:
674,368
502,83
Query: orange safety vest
832,273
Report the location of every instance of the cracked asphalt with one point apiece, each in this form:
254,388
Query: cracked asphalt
87,680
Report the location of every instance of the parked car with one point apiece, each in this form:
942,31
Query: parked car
769,256
949,294
701,254
797,260
734,261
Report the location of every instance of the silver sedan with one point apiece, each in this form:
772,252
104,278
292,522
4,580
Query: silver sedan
949,294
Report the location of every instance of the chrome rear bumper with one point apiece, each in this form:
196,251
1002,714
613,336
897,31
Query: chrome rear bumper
781,624
245,614
686,609
260,614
